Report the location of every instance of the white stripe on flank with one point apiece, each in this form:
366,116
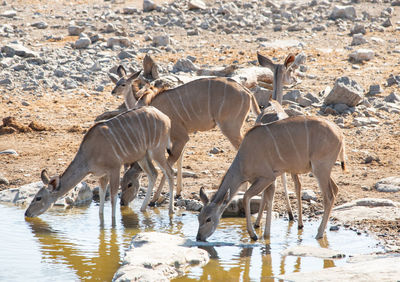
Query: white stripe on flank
184,108
241,106
173,106
275,144
136,132
116,141
155,131
293,143
223,101
209,100
131,133
190,103
128,138
307,136
112,146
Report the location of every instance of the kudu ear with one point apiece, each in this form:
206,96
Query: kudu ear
289,60
121,71
113,78
45,177
265,62
203,196
54,183
134,75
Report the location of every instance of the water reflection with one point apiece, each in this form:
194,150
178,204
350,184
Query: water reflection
76,245
58,249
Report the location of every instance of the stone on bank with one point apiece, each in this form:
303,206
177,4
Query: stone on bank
157,256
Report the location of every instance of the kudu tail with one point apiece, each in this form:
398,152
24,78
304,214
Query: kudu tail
254,105
342,157
169,147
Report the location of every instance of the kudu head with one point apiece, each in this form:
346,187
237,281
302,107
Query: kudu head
123,84
45,197
130,184
282,73
210,215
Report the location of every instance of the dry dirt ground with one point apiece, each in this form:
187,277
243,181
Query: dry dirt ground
68,116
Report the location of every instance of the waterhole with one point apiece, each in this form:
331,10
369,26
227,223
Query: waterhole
75,245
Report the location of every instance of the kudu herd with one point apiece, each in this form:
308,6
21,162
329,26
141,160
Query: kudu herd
159,120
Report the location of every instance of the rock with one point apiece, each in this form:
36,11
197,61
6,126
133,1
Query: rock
311,251
149,6
345,91
304,102
387,23
367,208
83,42
74,30
12,49
308,195
363,121
159,257
9,152
236,209
129,10
262,95
392,98
358,39
358,29
381,269
343,12
119,40
6,81
196,4
389,184
341,108
190,205
3,180
393,79
40,25
8,14
161,40
292,95
23,195
374,89
361,55
216,150
184,65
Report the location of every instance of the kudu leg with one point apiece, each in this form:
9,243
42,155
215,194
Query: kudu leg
114,185
162,162
269,195
103,181
176,152
297,187
289,208
256,188
329,191
151,172
261,209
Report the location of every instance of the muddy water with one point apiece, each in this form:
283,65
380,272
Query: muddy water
74,244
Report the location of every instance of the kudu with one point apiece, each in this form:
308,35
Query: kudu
199,105
295,145
136,135
274,112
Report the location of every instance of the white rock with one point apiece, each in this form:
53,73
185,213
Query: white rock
159,257
82,43
12,49
363,121
381,269
149,5
345,91
8,14
343,12
75,30
389,184
361,55
196,4
119,40
161,40
311,251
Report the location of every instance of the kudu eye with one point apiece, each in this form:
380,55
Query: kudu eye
129,185
38,198
123,85
208,219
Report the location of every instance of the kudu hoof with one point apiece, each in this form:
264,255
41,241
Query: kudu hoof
300,227
254,238
291,217
152,204
256,226
177,197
